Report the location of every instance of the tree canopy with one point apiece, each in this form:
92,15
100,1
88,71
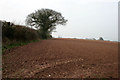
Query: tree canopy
45,21
101,38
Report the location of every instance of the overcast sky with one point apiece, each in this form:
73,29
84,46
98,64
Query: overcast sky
86,18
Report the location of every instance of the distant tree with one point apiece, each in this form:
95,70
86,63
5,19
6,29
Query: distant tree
101,38
93,39
45,21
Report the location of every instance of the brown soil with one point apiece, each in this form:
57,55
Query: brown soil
62,58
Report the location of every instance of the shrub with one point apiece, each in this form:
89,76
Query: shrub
8,30
44,35
30,34
12,33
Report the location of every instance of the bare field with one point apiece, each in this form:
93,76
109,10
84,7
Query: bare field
62,58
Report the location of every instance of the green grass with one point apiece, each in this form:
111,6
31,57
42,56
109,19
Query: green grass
13,45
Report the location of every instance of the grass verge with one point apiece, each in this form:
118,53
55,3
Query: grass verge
13,45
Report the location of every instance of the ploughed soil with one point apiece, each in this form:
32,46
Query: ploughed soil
62,58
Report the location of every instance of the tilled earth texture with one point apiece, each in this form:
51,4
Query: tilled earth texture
62,58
